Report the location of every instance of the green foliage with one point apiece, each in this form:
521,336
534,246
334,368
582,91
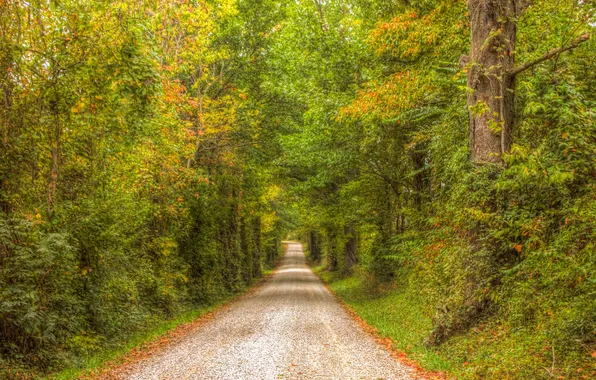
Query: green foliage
133,180
38,303
153,153
383,147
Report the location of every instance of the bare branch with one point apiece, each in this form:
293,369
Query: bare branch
324,25
550,54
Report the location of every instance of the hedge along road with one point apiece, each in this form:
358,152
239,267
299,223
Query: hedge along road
290,328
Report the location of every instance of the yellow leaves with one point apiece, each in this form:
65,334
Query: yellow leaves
272,193
479,109
405,90
228,8
409,34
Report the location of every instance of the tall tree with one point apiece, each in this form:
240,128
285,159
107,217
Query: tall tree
491,75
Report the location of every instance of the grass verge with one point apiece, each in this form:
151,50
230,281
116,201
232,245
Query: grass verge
394,314
89,366
144,343
490,350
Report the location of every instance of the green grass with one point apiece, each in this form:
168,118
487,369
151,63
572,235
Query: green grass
86,365
490,350
96,362
117,352
395,314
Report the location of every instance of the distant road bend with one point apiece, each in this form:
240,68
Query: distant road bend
290,328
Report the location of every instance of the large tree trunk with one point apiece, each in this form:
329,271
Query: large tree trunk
491,86
492,72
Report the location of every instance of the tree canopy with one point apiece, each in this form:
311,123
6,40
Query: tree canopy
154,153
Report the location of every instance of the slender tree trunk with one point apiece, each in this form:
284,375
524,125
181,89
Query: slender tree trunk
55,164
324,25
5,109
246,251
272,252
331,254
350,258
257,246
313,246
491,87
418,180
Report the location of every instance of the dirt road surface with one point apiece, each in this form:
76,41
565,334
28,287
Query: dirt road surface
290,328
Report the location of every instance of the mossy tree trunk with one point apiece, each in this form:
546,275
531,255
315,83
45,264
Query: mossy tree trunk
491,86
257,248
491,75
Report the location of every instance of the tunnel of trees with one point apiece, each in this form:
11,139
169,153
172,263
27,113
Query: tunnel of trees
155,153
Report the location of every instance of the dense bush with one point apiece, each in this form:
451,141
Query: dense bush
135,170
384,146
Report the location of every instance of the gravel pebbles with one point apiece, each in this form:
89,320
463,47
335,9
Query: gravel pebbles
290,328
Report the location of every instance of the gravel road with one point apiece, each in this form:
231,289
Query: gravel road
290,328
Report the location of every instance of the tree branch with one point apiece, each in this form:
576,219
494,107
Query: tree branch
324,25
521,6
550,54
